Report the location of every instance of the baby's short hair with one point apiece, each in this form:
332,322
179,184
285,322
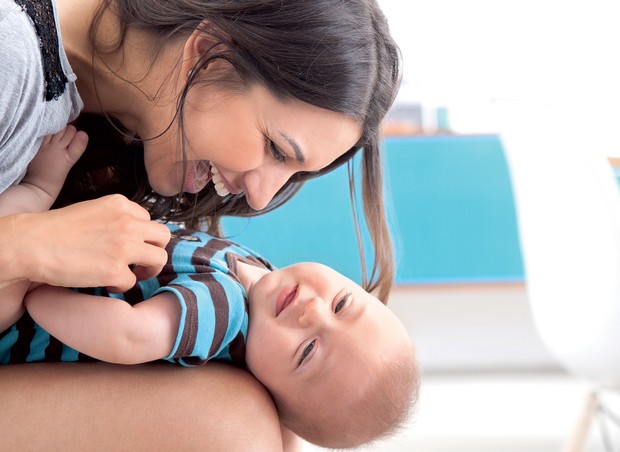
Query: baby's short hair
381,411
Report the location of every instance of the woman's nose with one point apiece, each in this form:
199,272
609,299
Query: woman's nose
262,185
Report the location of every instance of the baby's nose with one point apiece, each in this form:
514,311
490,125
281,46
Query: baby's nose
313,312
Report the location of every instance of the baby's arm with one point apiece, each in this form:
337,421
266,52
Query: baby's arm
36,193
46,173
105,328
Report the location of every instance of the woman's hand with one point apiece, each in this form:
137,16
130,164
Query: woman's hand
88,244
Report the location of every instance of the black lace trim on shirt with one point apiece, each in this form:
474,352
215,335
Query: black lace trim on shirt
41,13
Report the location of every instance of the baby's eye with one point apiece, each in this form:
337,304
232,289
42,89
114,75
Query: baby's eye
341,303
307,351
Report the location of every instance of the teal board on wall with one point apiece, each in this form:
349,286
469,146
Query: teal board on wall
451,212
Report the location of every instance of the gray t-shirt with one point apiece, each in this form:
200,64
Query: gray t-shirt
26,116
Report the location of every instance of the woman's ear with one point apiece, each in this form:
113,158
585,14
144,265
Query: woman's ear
202,41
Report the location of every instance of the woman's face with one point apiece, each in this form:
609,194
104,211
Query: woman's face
246,142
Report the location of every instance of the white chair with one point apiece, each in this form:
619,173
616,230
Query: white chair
568,210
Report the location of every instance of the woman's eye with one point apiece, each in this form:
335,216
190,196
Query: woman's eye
341,303
306,351
277,154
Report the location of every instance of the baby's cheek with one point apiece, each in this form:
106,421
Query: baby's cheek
260,358
254,352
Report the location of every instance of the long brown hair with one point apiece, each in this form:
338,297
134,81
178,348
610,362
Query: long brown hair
331,54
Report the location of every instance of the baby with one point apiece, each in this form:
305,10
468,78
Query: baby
338,363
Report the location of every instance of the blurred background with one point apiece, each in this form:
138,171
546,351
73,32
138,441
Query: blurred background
489,383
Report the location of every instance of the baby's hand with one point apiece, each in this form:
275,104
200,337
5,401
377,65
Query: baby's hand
57,154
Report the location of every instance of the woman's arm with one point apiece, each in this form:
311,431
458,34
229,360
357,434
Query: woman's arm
36,193
107,328
88,244
102,407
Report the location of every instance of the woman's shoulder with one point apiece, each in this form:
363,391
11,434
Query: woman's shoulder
21,93
19,45
21,75
7,8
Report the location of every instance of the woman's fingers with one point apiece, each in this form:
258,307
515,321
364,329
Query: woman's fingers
91,244
160,235
147,263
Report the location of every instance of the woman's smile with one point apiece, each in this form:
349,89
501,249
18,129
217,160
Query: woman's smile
197,176
228,136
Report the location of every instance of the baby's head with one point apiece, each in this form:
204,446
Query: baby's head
338,363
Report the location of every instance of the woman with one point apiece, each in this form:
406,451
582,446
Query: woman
229,107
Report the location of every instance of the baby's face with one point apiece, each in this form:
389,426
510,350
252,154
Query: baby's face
315,334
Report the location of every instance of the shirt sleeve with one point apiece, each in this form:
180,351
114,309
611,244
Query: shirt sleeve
21,94
213,314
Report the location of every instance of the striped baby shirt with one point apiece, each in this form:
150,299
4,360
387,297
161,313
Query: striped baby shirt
202,273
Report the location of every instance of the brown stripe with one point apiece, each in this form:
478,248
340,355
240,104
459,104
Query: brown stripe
190,329
202,255
233,259
220,306
195,361
134,295
21,349
237,350
53,352
85,358
201,260
167,273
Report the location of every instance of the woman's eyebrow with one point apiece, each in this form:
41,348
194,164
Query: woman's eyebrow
299,155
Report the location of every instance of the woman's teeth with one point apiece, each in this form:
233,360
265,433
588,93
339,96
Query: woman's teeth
218,183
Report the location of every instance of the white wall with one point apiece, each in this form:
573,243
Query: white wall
472,329
460,54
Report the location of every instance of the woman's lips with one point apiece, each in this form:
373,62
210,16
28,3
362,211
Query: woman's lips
225,184
287,295
197,176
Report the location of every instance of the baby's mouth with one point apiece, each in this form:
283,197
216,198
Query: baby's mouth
286,297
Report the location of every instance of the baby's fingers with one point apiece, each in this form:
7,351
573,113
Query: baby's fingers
64,137
77,146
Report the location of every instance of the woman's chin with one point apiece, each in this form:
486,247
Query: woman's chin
165,189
